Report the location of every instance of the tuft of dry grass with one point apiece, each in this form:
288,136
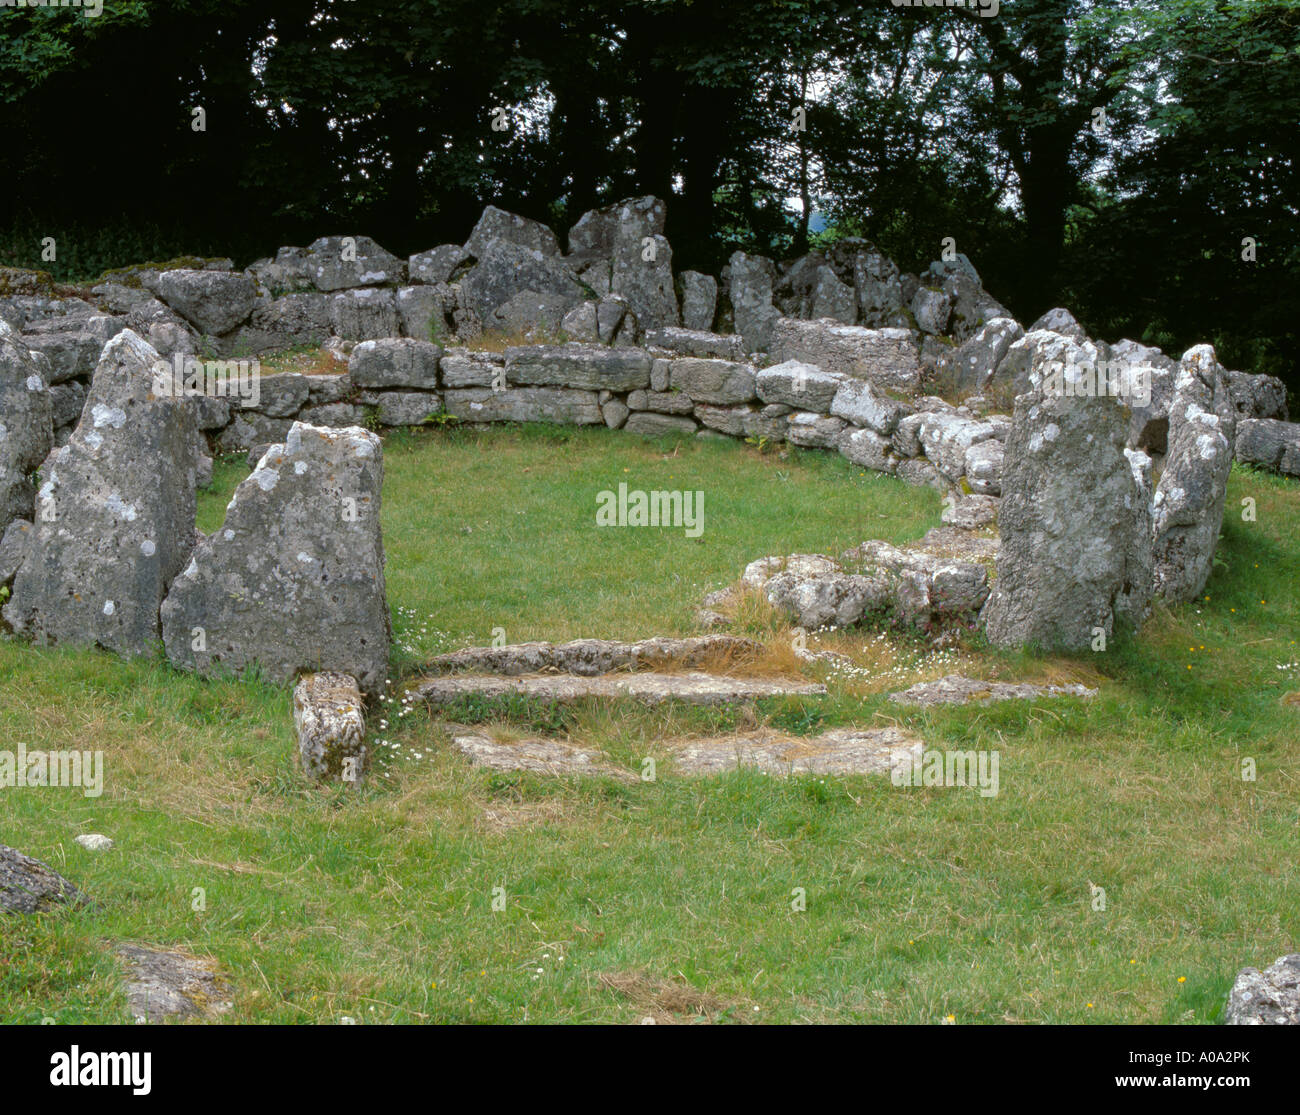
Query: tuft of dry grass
671,1002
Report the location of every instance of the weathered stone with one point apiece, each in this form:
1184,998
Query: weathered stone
293,580
886,357
662,402
983,467
1187,511
428,313
334,415
947,438
329,717
876,282
70,352
837,752
972,305
1257,396
1263,441
1075,531
800,385
530,315
976,360
212,301
690,342
649,688
956,544
920,473
463,369
540,756
827,600
558,405
329,387
248,428
592,657
66,401
714,381
957,690
28,886
115,515
642,273
496,227
699,301
868,449
615,321
615,413
588,367
282,395
439,264
1061,321
922,587
342,262
649,424
505,269
293,319
287,271
26,426
95,842
368,313
1037,353
13,548
580,324
971,512
395,362
735,421
1267,998
814,431
749,287
168,983
860,403
931,308
407,408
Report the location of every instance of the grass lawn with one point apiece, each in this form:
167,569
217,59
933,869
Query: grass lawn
673,898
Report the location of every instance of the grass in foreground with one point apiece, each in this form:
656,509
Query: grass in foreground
674,898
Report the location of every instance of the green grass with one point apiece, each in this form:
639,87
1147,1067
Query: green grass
673,898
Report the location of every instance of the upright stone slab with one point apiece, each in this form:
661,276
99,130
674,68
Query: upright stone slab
699,300
293,580
25,425
1188,506
1075,530
330,720
749,286
114,519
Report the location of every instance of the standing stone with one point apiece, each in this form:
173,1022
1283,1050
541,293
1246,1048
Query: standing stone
26,432
1189,500
343,262
330,720
979,356
699,300
114,519
1075,530
749,287
294,578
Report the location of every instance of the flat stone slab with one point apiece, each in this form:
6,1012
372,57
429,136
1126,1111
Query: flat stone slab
840,751
164,984
957,690
28,886
590,657
649,688
543,756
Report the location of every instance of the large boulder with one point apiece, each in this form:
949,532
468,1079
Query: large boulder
1061,321
395,362
293,581
341,262
1189,500
213,302
714,381
626,243
26,425
749,287
796,384
114,518
1257,396
1075,549
496,227
885,357
505,269
1266,441
1035,354
560,406
1149,420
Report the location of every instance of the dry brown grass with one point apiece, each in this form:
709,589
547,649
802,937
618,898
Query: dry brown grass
670,1002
